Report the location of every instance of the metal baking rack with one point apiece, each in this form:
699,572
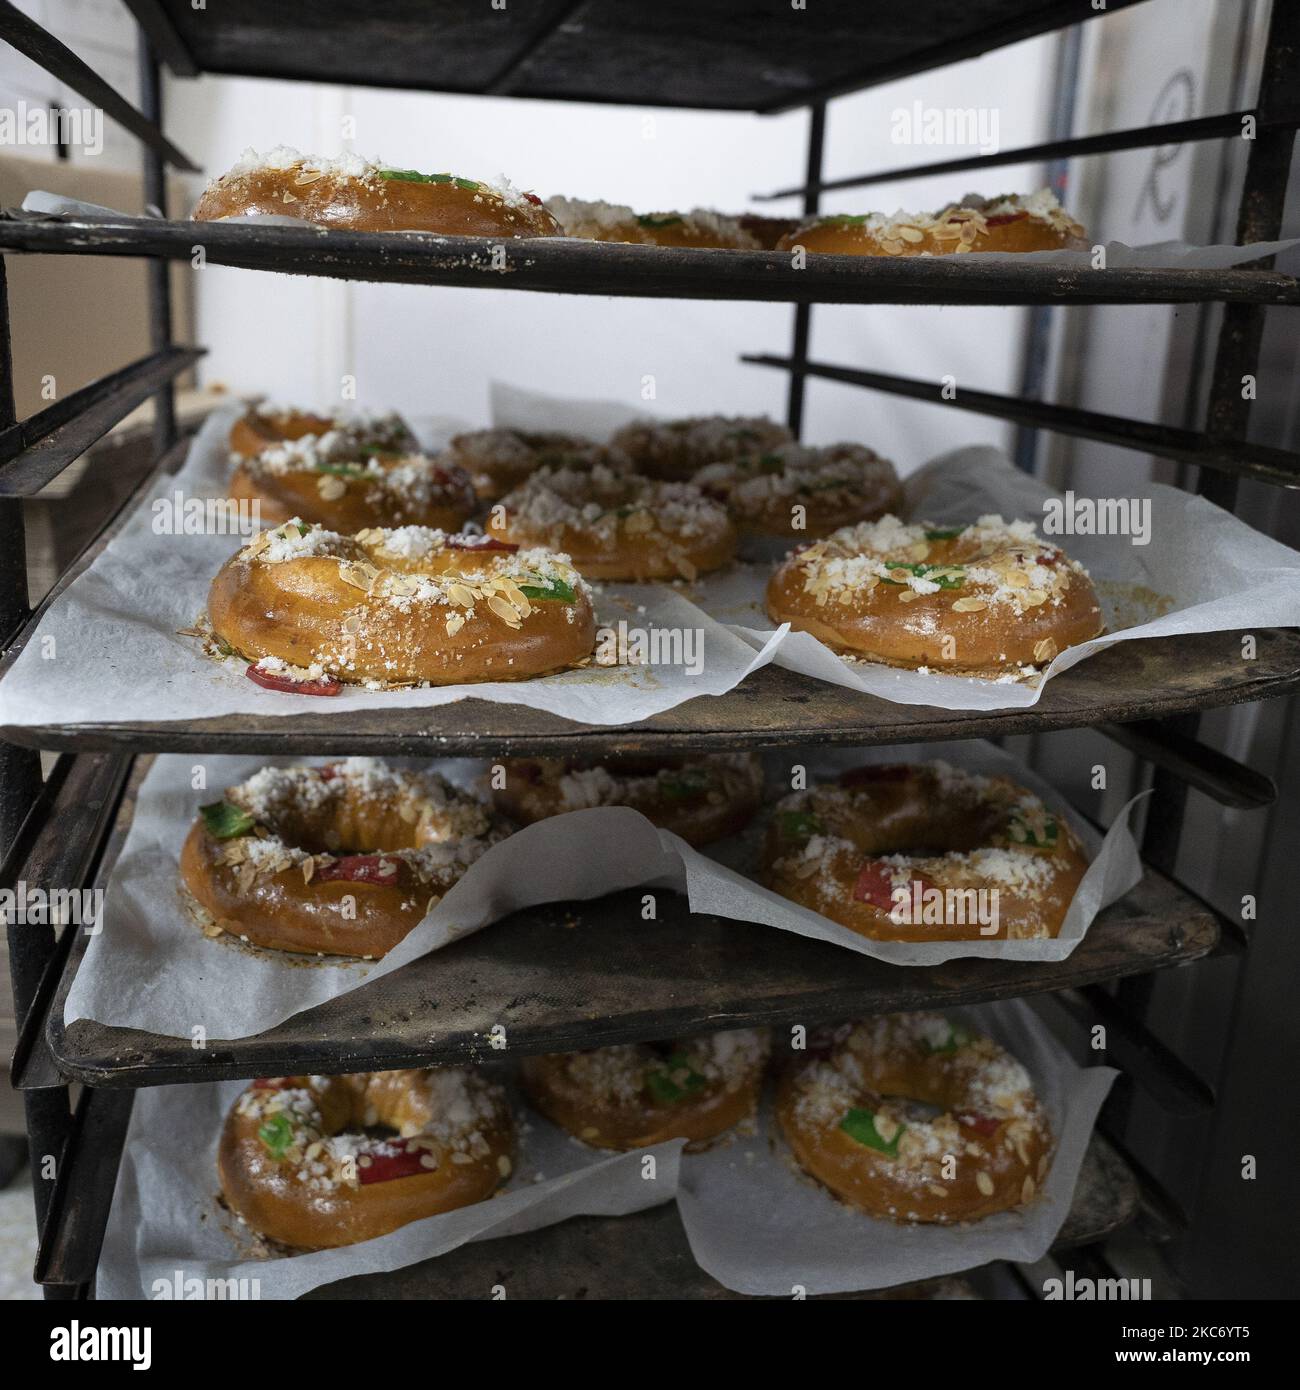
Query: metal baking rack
560,987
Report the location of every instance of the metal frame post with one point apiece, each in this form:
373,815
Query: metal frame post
803,312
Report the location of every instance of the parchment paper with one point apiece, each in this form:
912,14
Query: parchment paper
1203,570
165,1224
150,967
116,656
759,1225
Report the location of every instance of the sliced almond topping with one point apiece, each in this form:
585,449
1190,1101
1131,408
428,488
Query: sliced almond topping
505,611
1045,650
913,234
984,1183
461,596
908,595
885,1127
330,487
309,176
935,1190
455,621
1027,1188
892,246
969,605
308,869
359,575
1031,598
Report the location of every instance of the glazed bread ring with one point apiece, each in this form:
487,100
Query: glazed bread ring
702,798
699,229
499,460
340,860
638,1094
855,1122
987,599
299,1160
767,231
265,425
361,196
406,606
1036,222
925,852
793,489
327,479
677,449
618,525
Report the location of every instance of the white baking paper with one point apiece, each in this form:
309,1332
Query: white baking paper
149,966
760,1225
166,1227
108,651
721,879
1202,570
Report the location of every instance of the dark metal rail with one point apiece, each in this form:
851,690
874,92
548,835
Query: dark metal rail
60,61
1229,782
1232,456
1227,126
36,450
566,266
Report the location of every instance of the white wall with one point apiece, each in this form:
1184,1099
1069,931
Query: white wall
434,350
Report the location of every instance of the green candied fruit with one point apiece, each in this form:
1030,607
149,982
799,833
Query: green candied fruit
224,821
663,1085
945,576
799,825
276,1132
554,590
860,1125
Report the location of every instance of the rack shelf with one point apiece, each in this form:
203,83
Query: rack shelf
647,1255
569,266
579,975
1134,680
714,55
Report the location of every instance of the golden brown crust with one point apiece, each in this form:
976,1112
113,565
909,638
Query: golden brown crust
369,608
357,196
1007,224
702,799
343,859
675,450
642,529
870,850
296,1163
983,599
353,495
264,426
499,460
700,229
847,1119
635,1095
801,492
